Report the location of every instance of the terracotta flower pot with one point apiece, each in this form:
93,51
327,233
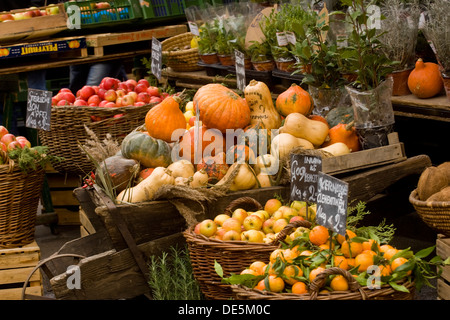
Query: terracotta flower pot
248,64
267,65
446,80
209,58
286,65
400,85
226,59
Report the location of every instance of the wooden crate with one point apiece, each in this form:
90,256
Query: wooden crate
86,227
16,265
443,283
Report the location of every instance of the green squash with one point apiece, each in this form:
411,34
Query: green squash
150,152
339,115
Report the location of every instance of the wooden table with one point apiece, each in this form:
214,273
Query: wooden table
436,108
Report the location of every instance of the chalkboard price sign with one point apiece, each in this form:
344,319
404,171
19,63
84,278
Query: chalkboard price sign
240,69
39,109
332,196
304,177
156,66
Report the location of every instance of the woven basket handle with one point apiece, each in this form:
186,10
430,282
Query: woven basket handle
7,161
320,280
247,203
291,226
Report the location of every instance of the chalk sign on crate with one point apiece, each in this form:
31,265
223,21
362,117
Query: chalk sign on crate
332,197
156,66
304,177
240,69
39,109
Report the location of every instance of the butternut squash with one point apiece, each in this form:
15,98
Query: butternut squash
262,109
146,189
337,149
181,168
264,180
266,162
245,179
300,126
283,143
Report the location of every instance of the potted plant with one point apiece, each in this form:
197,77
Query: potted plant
399,30
261,56
437,32
207,51
371,91
224,49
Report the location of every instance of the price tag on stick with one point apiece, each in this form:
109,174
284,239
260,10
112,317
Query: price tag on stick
304,177
156,66
332,196
240,69
39,109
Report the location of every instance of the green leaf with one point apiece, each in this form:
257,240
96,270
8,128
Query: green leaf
398,287
218,268
425,252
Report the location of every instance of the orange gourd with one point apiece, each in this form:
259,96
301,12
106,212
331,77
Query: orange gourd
294,100
221,108
425,80
345,133
163,119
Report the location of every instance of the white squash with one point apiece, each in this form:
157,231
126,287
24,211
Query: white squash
182,168
245,179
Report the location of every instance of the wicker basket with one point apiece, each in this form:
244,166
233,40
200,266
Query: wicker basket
67,130
233,256
435,214
178,59
19,200
355,292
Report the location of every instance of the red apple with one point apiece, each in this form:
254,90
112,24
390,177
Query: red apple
133,95
110,105
128,100
155,99
68,96
111,95
101,93
197,228
123,86
86,92
62,103
143,97
80,102
121,92
8,138
94,99
23,141
29,14
132,82
208,227
164,95
54,101
3,147
3,131
119,102
192,121
52,9
109,83
139,104
102,103
144,82
252,222
268,226
252,236
6,17
140,88
14,145
153,91
65,90
232,224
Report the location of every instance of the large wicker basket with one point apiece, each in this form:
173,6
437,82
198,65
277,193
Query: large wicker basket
436,214
19,200
177,58
355,292
67,130
233,256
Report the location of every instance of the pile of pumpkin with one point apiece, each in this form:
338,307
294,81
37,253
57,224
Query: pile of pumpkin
203,156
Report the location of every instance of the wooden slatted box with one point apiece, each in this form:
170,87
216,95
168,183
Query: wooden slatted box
443,283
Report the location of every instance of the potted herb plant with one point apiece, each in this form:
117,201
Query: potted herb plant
399,30
261,56
224,49
371,91
437,32
208,33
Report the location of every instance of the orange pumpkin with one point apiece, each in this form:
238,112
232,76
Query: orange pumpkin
318,118
345,133
425,80
221,108
163,119
294,100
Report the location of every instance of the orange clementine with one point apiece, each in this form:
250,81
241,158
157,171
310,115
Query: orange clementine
341,262
292,271
306,253
385,270
339,283
363,261
299,288
373,253
351,263
276,284
351,249
249,271
275,254
385,247
289,255
314,272
348,235
397,262
390,253
318,235
367,245
261,285
259,267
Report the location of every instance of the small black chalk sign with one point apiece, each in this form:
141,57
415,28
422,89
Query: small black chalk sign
332,196
304,177
39,109
156,66
240,69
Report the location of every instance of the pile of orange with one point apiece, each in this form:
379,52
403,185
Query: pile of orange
292,267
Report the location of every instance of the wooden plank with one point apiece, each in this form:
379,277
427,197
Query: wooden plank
83,232
63,198
16,275
63,181
443,250
25,256
67,217
443,289
438,102
112,274
86,224
16,293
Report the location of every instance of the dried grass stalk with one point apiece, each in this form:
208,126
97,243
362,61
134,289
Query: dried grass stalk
99,150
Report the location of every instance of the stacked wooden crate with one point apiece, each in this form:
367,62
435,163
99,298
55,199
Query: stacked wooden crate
443,283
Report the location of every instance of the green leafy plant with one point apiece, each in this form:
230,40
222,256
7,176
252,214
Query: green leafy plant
260,51
32,158
208,33
171,277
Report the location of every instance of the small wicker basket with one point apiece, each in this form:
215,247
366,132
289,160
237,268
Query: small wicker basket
355,292
19,199
67,129
233,256
436,214
177,58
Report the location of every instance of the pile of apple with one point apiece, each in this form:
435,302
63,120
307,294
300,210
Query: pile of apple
9,141
31,12
261,226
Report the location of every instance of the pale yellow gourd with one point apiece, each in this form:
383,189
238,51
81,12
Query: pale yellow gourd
301,127
259,99
283,143
199,179
337,149
264,180
245,178
146,189
266,162
182,168
182,181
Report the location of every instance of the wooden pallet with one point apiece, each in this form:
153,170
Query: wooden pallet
102,44
443,283
16,265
